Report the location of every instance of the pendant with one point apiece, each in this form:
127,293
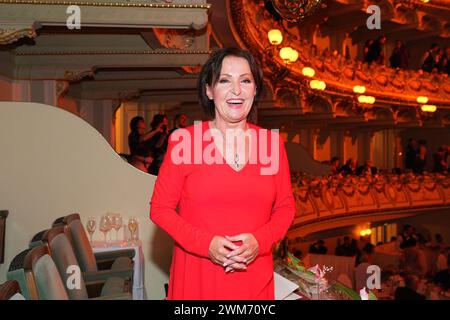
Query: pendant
236,160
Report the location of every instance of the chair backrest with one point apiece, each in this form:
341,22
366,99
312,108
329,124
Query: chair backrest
36,241
58,222
80,243
64,257
45,273
16,272
9,289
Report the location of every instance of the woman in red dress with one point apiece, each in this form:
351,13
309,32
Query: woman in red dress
223,192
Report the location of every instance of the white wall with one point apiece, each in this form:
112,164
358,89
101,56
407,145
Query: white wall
53,163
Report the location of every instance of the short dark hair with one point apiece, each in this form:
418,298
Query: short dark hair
134,123
157,119
209,75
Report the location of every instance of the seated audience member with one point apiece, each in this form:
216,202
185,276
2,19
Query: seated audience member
366,169
318,247
349,167
345,249
442,278
409,291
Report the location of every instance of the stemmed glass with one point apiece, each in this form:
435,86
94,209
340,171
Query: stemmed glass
132,226
105,226
117,224
90,226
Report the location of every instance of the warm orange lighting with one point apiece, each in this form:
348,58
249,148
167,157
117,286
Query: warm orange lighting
425,1
293,56
317,85
285,53
308,72
366,99
368,232
275,36
422,99
288,54
429,108
362,233
359,89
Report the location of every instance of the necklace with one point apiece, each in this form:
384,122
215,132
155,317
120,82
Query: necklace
236,158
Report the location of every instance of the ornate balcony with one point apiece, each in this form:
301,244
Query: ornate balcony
325,202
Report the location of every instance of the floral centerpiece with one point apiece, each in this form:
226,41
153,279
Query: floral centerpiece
313,284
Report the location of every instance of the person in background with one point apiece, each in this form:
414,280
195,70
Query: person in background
334,165
429,62
406,239
137,127
442,278
366,169
180,121
349,167
421,159
411,153
376,51
138,138
399,56
141,158
346,249
439,161
158,143
409,291
318,247
367,45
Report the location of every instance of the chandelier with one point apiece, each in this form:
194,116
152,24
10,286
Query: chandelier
294,10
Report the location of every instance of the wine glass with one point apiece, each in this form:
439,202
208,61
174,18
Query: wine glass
90,226
105,225
132,226
117,224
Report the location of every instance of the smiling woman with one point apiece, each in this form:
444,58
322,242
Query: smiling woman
224,217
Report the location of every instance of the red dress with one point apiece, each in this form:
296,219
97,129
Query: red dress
217,200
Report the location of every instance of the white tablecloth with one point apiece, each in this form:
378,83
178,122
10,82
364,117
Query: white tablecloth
139,263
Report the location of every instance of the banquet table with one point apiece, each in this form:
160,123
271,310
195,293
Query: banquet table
139,292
